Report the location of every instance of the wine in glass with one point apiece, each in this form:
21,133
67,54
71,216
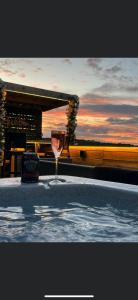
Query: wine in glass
57,143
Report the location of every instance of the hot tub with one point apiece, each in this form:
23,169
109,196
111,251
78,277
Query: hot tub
79,210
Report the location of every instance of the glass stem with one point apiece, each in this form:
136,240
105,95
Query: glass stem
56,169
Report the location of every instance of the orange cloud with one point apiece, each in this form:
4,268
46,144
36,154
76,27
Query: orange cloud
93,125
54,119
95,99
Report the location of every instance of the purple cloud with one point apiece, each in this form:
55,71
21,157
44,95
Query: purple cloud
123,109
109,87
114,69
119,121
94,63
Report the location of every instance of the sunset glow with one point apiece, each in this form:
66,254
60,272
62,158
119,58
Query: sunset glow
107,88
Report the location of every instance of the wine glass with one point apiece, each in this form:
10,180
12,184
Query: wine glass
57,143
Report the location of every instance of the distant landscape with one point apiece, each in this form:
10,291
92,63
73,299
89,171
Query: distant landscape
81,142
97,143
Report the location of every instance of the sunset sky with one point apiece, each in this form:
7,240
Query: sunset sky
107,88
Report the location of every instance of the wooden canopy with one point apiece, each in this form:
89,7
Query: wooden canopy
39,98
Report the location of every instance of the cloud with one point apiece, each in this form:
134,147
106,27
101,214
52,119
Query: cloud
98,130
102,71
94,63
132,89
25,60
91,131
56,87
13,66
119,121
94,129
67,61
22,75
110,87
4,62
91,95
107,88
7,67
91,127
96,98
105,133
13,61
105,129
93,98
117,138
102,112
114,69
114,109
8,72
37,69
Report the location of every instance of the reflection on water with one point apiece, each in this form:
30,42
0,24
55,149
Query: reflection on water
73,222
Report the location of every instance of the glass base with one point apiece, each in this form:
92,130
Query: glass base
56,181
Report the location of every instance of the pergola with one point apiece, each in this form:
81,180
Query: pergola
21,109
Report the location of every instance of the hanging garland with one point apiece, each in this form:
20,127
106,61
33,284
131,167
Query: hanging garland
2,114
71,113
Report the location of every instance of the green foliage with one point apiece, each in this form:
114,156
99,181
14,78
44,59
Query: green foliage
71,113
2,113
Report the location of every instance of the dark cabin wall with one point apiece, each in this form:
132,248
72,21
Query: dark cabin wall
24,119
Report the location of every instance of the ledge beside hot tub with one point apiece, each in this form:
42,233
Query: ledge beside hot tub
13,192
96,172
